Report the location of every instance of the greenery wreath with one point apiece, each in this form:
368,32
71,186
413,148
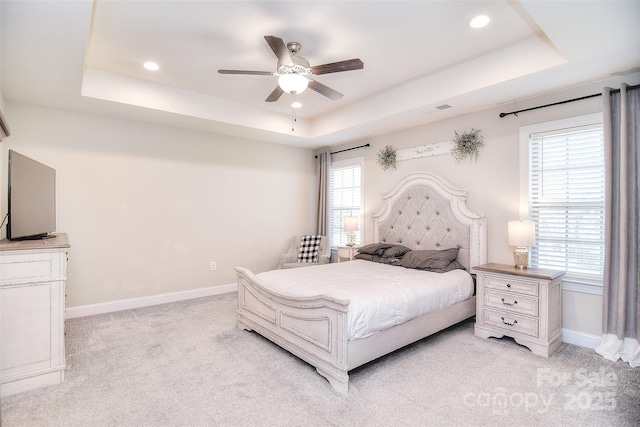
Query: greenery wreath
387,157
467,144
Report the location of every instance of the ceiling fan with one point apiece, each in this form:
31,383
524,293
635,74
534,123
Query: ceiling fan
293,71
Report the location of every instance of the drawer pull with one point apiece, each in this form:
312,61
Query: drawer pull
509,303
507,323
508,285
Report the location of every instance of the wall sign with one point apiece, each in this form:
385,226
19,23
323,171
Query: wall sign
425,150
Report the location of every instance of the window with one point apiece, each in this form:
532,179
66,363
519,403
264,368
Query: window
565,191
345,199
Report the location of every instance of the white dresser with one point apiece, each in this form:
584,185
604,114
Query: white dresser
523,304
32,293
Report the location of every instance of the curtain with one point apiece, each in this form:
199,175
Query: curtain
621,305
323,163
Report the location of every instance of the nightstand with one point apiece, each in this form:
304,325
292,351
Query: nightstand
525,305
346,253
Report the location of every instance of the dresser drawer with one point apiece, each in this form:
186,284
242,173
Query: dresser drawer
31,267
511,302
525,287
512,322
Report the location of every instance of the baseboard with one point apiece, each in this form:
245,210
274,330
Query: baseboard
569,336
581,339
126,304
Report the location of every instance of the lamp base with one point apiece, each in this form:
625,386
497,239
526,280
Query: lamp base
521,256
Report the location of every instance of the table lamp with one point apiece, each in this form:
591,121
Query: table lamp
351,225
521,234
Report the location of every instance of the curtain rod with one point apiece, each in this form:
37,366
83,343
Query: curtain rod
515,113
349,149
564,102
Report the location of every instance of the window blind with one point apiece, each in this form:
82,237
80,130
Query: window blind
345,199
567,199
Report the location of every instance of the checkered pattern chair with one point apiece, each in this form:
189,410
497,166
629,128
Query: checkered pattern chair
301,252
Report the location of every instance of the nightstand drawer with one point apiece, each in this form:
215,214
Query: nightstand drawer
510,284
512,302
512,322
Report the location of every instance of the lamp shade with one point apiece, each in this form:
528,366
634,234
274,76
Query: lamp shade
293,83
351,223
521,233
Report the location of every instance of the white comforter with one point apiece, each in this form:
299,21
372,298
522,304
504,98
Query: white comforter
381,295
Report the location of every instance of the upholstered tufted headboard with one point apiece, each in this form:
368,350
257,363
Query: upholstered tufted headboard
423,211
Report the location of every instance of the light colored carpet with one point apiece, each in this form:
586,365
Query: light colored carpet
186,364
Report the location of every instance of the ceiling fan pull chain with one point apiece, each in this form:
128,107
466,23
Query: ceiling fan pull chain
294,116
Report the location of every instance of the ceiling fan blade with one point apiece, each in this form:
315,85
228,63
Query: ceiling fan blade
275,95
332,94
255,73
336,67
280,49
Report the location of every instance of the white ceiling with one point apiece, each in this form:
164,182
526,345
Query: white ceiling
418,55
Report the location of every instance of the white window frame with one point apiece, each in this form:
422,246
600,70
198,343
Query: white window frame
572,282
360,233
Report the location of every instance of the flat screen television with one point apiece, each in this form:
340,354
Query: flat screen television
32,199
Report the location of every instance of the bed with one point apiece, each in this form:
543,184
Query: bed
422,212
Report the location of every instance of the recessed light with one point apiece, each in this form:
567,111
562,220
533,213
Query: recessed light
151,66
296,104
479,21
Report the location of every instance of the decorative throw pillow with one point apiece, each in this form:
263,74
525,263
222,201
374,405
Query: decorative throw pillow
309,248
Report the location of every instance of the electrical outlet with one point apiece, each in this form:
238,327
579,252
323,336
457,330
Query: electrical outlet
212,266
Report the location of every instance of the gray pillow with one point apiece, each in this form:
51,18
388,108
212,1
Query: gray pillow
395,251
432,260
374,248
387,250
378,258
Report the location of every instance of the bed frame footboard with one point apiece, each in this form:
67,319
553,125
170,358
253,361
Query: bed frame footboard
312,328
315,328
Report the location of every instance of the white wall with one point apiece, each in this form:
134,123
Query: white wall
492,180
1,98
2,170
148,207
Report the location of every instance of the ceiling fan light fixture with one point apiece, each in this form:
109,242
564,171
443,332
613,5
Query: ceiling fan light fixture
292,70
293,83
